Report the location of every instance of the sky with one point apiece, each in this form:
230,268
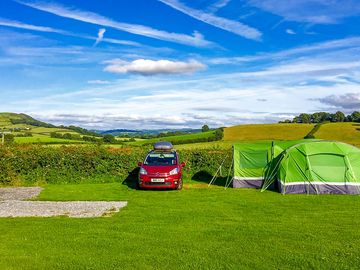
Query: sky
150,64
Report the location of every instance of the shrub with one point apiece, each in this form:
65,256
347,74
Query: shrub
32,164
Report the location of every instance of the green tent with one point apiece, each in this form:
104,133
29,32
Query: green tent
252,160
316,168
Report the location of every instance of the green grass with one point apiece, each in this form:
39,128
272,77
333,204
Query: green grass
179,138
267,132
196,228
41,138
344,132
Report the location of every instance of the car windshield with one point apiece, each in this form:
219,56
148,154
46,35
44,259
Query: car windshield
160,159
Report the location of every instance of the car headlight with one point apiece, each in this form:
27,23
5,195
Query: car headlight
143,171
174,171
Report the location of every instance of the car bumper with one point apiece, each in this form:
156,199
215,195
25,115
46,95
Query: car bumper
171,182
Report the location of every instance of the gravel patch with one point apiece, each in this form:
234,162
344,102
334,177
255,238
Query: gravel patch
12,204
83,209
19,193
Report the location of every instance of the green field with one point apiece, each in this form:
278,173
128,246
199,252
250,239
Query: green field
196,228
177,138
40,134
344,132
267,132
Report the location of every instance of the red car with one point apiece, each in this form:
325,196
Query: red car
161,168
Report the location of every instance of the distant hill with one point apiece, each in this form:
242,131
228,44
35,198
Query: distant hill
27,129
134,132
21,121
8,119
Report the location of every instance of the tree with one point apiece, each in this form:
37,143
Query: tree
67,136
355,116
339,117
205,128
9,138
108,138
219,134
305,118
320,117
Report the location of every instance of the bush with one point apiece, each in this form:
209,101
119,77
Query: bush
31,164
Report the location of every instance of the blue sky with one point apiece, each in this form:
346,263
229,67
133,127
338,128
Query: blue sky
176,63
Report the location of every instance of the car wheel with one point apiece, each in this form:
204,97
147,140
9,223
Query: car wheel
179,187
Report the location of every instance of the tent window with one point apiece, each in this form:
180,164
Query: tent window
253,159
330,168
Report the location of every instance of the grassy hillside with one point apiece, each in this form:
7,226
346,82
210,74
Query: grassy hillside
344,132
267,132
20,124
196,228
178,139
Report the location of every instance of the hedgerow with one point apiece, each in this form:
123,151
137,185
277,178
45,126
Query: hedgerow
36,164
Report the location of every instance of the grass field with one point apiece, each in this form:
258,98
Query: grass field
344,132
267,132
177,138
44,139
196,228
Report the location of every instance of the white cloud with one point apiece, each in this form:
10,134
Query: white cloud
98,82
326,46
221,99
348,101
234,27
21,25
218,5
16,24
290,32
100,36
153,67
310,11
196,39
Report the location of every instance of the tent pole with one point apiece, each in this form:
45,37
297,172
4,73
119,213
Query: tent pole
219,169
228,176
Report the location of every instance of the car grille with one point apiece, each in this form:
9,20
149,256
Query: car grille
158,175
158,184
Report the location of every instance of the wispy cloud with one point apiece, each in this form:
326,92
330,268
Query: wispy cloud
152,67
196,39
310,11
100,36
98,82
21,25
234,27
218,5
290,32
326,46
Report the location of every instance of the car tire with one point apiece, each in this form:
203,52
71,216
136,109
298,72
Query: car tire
180,185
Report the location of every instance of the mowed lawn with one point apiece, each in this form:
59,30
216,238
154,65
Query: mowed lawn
196,228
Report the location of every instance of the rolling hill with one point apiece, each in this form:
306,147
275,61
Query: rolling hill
267,132
29,130
344,132
39,132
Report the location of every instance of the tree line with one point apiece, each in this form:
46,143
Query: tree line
321,117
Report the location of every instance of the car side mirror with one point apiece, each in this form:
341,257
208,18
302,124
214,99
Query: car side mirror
182,164
140,164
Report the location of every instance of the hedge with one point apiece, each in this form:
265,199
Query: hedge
37,164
